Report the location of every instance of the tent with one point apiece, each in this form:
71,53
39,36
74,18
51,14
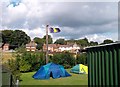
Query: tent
80,68
51,70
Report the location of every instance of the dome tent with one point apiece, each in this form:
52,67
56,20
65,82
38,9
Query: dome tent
80,68
51,69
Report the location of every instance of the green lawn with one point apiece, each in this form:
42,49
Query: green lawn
75,79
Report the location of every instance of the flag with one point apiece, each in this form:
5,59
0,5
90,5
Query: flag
54,30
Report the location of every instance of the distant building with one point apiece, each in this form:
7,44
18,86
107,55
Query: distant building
65,48
71,48
31,46
51,47
61,48
6,47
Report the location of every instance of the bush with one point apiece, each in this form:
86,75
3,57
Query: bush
27,61
32,61
81,59
24,65
65,59
14,68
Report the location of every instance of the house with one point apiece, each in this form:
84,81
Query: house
51,47
73,48
61,48
65,48
5,47
31,46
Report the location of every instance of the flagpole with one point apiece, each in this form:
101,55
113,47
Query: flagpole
47,44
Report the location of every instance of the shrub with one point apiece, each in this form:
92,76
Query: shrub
81,58
14,68
24,65
65,59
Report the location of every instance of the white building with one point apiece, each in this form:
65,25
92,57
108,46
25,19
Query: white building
71,48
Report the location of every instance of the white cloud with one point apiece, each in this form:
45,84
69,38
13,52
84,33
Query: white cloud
75,20
13,15
100,38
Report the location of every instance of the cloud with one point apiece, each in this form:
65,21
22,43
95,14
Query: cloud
75,19
98,38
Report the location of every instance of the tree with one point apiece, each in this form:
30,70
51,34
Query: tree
107,41
15,38
7,36
71,41
82,58
19,38
24,65
50,41
66,59
83,42
60,41
39,42
92,43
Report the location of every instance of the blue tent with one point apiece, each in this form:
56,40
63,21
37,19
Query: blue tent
51,70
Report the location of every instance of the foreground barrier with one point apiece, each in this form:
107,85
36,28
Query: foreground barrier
104,65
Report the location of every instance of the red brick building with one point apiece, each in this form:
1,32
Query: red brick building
51,47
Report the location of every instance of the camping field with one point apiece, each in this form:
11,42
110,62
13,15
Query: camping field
75,79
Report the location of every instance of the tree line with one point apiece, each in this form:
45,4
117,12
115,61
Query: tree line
18,38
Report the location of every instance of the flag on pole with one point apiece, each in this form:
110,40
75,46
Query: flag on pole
54,30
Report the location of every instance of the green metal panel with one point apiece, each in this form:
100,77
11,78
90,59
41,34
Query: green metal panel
93,68
89,68
111,66
99,68
104,65
96,67
107,67
115,68
118,63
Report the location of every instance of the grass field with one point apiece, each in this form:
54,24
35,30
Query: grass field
75,79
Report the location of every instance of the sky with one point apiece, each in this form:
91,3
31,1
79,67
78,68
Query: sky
94,20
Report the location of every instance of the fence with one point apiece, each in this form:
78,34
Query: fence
104,65
7,78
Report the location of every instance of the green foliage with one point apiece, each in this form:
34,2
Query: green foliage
81,58
107,41
6,36
15,38
30,61
25,61
24,65
50,41
60,41
83,42
39,42
93,43
65,59
21,49
14,68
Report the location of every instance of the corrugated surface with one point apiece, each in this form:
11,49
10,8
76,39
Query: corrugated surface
104,65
